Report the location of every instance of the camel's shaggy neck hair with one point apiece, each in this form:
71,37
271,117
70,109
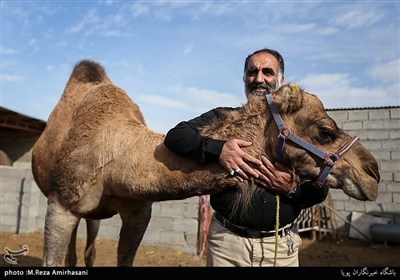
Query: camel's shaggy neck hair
252,116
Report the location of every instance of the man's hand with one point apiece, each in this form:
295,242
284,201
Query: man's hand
232,158
276,177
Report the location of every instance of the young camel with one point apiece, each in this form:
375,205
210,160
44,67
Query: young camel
97,158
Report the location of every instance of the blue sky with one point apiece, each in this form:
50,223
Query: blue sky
178,59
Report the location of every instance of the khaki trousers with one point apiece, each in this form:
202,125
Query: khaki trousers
228,249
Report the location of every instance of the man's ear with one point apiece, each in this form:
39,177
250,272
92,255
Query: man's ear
282,80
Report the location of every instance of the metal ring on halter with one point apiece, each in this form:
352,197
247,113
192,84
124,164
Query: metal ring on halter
285,133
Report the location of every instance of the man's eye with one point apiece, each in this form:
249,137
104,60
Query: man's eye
268,71
252,72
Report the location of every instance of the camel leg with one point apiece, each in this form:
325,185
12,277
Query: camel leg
71,258
92,227
59,227
132,231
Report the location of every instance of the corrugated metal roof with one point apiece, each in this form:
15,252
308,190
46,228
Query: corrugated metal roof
362,108
13,120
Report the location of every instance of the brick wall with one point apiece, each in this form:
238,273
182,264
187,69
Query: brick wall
174,223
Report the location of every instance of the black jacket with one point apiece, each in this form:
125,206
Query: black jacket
185,140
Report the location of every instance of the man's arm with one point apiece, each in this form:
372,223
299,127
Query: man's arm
185,139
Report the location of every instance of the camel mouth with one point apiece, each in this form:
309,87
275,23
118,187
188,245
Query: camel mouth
355,188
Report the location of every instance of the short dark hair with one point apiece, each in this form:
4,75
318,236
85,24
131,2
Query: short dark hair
278,56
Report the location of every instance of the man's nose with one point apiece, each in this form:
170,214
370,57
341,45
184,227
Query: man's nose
260,76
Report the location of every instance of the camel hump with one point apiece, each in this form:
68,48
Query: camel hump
86,71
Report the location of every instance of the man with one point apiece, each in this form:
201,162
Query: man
242,227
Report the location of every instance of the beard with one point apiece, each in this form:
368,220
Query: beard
251,89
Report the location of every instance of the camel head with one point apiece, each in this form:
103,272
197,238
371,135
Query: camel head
354,169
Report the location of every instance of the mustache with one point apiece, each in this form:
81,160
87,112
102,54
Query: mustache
269,88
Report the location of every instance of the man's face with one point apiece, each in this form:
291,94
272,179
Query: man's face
261,76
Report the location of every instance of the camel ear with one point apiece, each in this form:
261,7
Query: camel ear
289,98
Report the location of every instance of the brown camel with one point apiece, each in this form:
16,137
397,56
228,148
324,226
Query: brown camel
97,158
5,159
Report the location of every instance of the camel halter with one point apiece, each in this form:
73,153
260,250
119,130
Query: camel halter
328,158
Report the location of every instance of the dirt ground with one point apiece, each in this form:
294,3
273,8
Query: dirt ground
318,253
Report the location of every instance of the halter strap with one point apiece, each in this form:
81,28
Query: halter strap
285,133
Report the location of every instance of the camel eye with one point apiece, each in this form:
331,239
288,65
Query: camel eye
326,134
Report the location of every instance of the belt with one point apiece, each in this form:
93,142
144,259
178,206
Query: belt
250,233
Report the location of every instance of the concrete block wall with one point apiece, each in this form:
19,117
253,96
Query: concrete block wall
23,209
174,223
379,131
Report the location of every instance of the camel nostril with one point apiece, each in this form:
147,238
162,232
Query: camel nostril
373,171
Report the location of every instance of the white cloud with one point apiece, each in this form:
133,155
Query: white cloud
294,28
11,78
335,91
386,72
358,18
161,101
324,80
188,49
6,51
90,18
205,99
138,9
327,31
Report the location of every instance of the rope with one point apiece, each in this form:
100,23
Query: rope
276,227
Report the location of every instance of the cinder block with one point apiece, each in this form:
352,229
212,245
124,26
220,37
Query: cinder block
373,124
8,228
156,208
185,225
394,113
393,187
338,116
372,145
390,165
338,204
379,114
396,196
337,194
162,223
396,176
381,155
354,205
393,207
378,134
391,124
371,206
358,115
9,220
171,238
151,237
362,134
384,197
353,126
394,134
190,211
109,232
387,176
169,209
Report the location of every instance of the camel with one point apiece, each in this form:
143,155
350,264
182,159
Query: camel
5,159
96,158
